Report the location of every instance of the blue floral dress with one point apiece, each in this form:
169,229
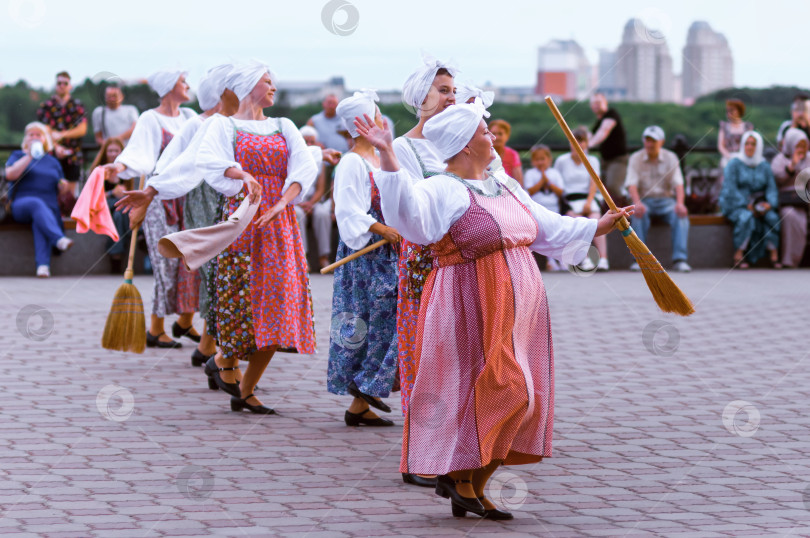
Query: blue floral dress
363,335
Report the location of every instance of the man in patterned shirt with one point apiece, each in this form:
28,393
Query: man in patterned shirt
65,116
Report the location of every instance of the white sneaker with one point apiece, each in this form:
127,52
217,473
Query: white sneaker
603,265
587,265
682,267
64,243
43,271
634,267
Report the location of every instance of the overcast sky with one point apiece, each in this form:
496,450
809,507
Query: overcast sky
492,41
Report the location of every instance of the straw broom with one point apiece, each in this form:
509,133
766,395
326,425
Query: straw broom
354,256
125,329
666,293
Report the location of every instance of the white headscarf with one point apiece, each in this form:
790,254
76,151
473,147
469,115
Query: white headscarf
757,158
453,129
418,84
247,75
163,81
465,91
362,102
212,85
792,137
309,130
42,128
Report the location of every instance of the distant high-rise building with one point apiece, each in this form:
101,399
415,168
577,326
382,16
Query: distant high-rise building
643,65
707,61
563,70
608,79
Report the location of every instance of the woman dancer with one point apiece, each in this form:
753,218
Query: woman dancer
174,290
263,303
429,91
363,362
484,389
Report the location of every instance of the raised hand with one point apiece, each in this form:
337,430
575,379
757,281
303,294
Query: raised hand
331,156
378,137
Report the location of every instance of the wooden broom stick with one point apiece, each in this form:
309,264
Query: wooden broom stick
666,293
354,256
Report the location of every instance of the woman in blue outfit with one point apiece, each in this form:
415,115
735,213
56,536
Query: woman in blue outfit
36,180
749,200
363,338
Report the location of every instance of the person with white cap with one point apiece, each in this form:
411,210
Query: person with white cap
484,390
176,178
428,91
363,343
318,201
655,183
263,301
153,132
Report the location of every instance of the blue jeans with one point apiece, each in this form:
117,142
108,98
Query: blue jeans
47,229
664,208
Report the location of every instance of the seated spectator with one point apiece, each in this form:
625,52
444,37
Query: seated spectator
731,131
545,185
318,203
510,159
110,149
792,207
655,184
36,180
114,119
579,193
749,199
799,118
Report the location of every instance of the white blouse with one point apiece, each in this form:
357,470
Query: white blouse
216,151
576,178
143,149
353,200
427,153
423,212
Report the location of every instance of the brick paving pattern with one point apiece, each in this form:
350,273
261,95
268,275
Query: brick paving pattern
665,426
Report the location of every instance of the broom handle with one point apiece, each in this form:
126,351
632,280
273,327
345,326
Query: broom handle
350,257
582,156
133,244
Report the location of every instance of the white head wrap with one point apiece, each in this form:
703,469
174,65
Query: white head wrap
757,158
453,129
465,91
163,81
246,76
309,130
362,102
416,88
44,129
212,85
792,137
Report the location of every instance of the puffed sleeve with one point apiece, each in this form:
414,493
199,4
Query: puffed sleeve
421,211
175,173
560,237
352,201
215,155
406,157
301,166
143,149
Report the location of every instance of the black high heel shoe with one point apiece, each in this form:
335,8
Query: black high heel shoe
212,370
354,419
493,514
198,359
417,480
154,341
237,404
178,332
446,487
370,400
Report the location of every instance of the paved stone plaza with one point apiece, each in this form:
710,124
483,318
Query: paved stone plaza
664,426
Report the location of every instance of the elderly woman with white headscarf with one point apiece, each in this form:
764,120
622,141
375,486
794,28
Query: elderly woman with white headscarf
749,200
363,343
176,178
263,302
173,290
790,171
484,389
428,91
